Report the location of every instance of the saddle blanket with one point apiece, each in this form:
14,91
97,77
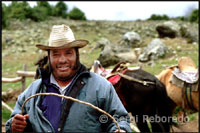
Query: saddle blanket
115,78
190,77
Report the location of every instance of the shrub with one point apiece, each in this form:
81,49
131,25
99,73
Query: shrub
19,10
194,16
76,14
47,7
60,9
4,18
158,17
38,14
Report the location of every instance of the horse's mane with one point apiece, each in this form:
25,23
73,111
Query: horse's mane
43,69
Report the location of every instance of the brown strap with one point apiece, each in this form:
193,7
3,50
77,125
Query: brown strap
77,85
67,104
136,80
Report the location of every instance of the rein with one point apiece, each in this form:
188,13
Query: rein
146,83
73,99
119,71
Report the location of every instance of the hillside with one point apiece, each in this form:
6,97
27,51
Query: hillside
19,40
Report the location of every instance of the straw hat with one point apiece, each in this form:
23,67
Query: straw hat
62,37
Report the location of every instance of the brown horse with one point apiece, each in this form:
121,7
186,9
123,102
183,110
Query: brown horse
142,94
184,94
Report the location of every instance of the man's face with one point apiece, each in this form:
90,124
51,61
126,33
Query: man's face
63,62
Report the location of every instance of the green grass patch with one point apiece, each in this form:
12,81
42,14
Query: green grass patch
6,113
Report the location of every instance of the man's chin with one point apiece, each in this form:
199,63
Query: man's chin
65,78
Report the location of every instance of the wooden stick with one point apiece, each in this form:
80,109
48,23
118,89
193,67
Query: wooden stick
73,99
26,73
11,80
7,106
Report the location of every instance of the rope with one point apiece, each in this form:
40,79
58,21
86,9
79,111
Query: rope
73,99
136,80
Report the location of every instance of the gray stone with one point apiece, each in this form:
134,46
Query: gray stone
168,29
190,35
101,43
130,39
112,54
155,49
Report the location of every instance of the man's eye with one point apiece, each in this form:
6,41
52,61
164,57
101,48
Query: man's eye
68,52
55,54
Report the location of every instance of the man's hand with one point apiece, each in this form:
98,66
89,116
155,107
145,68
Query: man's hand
19,123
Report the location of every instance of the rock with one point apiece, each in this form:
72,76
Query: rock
168,29
153,51
130,39
111,55
190,35
127,56
101,43
107,57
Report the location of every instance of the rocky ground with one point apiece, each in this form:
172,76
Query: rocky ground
191,126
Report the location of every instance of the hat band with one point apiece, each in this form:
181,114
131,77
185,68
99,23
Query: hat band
58,43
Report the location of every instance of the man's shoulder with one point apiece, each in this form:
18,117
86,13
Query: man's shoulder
36,82
34,86
98,81
98,77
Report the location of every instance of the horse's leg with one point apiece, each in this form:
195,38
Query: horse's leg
141,123
158,125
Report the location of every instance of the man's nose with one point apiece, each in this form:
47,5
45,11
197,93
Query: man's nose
62,59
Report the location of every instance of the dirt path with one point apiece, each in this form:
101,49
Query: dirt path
3,128
191,126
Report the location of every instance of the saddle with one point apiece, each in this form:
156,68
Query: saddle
186,64
185,76
113,77
185,73
118,71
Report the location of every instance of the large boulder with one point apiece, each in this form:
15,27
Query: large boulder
113,54
107,57
155,49
190,35
130,40
101,43
168,29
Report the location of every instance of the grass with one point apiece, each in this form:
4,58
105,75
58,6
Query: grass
6,113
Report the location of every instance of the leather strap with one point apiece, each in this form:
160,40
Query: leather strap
67,104
76,87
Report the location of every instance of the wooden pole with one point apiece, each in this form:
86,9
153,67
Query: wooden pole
11,80
25,73
7,106
24,79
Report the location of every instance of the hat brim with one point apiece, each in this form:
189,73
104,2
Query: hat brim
75,43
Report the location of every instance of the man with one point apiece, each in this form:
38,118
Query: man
68,77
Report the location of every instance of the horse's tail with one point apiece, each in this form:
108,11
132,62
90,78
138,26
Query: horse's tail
165,106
